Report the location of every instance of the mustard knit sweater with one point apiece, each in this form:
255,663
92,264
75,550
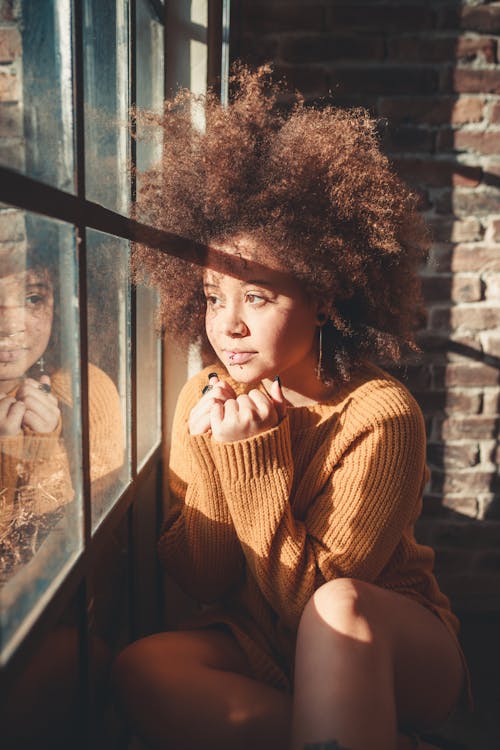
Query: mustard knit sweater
35,475
255,526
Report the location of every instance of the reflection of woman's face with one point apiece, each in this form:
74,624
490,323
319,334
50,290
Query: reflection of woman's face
26,312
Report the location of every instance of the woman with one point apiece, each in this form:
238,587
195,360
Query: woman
297,466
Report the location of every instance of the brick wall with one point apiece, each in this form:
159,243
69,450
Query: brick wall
430,71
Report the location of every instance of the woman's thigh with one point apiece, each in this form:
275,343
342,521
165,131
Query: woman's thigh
194,689
426,664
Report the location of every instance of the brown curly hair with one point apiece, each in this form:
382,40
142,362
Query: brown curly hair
313,187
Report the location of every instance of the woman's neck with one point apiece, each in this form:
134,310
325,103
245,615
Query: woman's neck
307,395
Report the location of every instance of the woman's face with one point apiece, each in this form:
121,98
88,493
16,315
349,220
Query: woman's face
26,312
259,321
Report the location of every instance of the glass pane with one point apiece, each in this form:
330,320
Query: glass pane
106,102
109,368
148,375
40,430
36,113
150,84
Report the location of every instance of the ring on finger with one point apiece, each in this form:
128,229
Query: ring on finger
44,387
206,389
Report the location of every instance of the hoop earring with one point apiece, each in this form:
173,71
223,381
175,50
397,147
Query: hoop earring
319,366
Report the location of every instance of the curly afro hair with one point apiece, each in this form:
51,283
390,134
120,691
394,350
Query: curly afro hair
312,187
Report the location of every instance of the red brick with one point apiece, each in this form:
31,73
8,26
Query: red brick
494,114
11,121
453,455
436,506
321,48
491,401
475,317
491,343
475,258
383,80
264,18
470,375
10,44
307,80
387,17
493,231
408,138
467,109
12,155
476,48
416,109
484,18
443,229
442,49
473,202
476,81
10,90
258,49
437,172
471,428
482,142
463,401
11,226
465,506
8,10
492,286
440,288
462,482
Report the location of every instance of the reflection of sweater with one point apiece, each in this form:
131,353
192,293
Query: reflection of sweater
34,468
334,490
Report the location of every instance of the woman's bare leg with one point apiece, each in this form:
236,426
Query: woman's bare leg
192,690
368,659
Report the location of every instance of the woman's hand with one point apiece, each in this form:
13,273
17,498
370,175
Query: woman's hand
41,411
247,415
11,415
218,392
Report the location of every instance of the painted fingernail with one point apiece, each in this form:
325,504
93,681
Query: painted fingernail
212,375
277,379
205,389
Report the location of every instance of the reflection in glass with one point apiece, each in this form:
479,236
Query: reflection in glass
148,375
106,102
40,488
150,84
36,113
109,367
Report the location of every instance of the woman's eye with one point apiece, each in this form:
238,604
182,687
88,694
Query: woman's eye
255,299
212,300
32,300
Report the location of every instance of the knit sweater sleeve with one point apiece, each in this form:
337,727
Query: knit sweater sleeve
198,545
371,492
34,475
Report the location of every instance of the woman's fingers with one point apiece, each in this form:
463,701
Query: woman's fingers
11,415
41,408
215,391
278,398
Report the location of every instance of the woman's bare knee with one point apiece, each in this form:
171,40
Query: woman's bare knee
345,605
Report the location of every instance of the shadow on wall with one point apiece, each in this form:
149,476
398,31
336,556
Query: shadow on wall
430,73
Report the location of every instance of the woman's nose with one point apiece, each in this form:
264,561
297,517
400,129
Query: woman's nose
233,322
11,320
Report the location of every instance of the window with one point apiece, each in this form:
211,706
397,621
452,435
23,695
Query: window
80,362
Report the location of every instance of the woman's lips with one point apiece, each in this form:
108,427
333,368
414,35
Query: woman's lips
238,358
11,355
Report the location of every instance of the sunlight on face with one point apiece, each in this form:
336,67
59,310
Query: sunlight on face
26,314
258,319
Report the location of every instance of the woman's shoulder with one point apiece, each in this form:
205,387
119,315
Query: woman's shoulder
377,395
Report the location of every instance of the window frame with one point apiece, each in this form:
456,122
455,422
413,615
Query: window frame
21,191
